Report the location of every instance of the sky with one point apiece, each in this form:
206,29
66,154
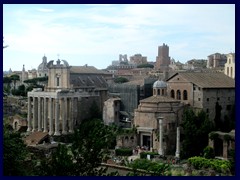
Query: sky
96,34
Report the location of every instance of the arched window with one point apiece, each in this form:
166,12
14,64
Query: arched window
154,92
231,72
185,95
172,93
178,94
158,91
162,92
227,71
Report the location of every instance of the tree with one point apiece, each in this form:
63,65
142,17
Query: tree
89,144
7,81
15,78
14,154
145,66
94,111
196,129
120,80
59,164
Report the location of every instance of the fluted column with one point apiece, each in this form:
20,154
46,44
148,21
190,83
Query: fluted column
45,114
50,117
56,133
39,114
29,114
34,114
160,151
178,143
64,115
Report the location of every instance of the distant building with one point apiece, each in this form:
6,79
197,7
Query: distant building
229,68
138,59
32,73
163,59
42,70
216,60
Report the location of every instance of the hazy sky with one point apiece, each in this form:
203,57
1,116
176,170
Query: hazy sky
97,34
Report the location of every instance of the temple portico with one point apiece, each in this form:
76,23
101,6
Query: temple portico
52,112
66,99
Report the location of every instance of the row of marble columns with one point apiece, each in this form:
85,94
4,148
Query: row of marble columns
46,113
161,151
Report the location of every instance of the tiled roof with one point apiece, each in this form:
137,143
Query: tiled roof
35,138
136,82
156,99
88,80
86,70
208,79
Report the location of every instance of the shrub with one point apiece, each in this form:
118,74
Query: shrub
123,152
208,152
218,165
120,80
157,168
227,137
213,135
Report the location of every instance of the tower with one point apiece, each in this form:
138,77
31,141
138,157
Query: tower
23,74
163,59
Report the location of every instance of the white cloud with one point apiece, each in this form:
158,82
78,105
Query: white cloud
113,29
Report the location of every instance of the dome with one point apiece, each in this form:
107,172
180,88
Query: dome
42,67
160,84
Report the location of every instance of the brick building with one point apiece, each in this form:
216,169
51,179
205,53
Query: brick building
203,91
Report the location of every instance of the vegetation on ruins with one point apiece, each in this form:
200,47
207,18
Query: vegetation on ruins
218,165
120,80
226,123
208,152
145,66
196,129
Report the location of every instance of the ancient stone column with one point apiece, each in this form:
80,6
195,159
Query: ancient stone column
34,114
177,154
45,114
160,151
64,115
71,115
50,117
225,149
39,114
56,133
29,114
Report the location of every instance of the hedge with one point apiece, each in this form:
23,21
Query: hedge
123,152
143,155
